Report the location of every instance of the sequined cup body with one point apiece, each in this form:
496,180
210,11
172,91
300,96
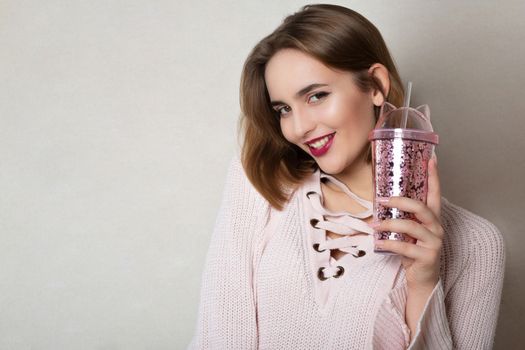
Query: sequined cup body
400,169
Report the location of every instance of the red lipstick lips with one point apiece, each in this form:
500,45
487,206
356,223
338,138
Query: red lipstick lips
317,152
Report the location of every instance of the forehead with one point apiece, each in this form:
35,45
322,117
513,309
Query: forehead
290,70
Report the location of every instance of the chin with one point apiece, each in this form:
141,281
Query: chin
332,167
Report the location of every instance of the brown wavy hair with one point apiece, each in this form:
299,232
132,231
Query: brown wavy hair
340,38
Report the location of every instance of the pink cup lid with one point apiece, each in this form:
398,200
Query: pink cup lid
417,127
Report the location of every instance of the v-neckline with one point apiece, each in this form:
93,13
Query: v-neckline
314,215
320,175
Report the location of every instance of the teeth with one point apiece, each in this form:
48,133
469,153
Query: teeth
320,143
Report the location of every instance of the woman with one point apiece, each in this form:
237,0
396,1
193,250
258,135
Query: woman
291,262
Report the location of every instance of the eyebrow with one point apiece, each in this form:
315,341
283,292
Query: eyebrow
301,92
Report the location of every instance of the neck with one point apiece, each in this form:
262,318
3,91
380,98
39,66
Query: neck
358,178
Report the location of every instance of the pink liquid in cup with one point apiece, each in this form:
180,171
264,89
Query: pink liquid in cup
400,159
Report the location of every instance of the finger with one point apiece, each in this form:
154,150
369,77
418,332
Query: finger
434,188
409,250
413,229
418,208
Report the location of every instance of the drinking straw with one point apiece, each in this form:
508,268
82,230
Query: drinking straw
406,104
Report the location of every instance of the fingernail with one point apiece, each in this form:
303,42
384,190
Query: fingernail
374,224
382,199
379,242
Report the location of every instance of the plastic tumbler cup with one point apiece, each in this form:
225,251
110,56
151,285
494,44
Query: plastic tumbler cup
402,144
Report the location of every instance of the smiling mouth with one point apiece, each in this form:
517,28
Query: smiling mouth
321,143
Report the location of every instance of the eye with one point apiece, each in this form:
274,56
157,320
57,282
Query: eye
282,110
318,96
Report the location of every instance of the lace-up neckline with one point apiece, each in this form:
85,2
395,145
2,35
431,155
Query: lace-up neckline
342,222
357,240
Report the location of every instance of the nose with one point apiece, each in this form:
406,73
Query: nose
303,123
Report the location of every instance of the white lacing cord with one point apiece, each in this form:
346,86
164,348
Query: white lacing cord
342,223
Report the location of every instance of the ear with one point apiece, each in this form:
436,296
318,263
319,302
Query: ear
387,107
380,72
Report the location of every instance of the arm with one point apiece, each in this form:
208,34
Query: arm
464,319
416,300
473,301
227,314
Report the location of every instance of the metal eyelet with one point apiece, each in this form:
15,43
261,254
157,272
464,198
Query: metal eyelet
309,193
340,272
359,254
314,222
320,274
316,247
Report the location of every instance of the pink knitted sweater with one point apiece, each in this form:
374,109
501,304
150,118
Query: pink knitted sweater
270,282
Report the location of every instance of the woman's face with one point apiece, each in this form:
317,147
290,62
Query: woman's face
315,102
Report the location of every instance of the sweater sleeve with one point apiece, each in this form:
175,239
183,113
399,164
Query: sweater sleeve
227,314
464,318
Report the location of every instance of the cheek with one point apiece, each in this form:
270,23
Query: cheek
357,114
343,113
286,130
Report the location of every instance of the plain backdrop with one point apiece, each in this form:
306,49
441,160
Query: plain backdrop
117,123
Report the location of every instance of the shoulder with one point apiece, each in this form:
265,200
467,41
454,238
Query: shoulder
471,242
463,225
236,177
240,192
242,216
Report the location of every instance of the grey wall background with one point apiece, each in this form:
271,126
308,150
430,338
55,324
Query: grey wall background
117,123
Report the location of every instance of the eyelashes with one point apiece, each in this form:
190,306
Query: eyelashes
319,95
278,111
